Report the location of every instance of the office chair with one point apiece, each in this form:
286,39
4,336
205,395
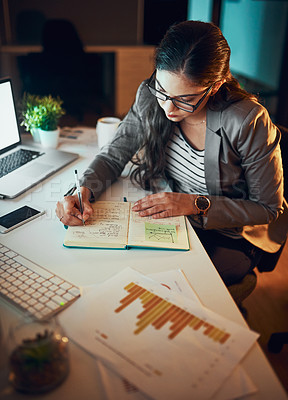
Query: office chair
277,341
64,69
268,261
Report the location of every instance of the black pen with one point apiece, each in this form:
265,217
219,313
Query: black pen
79,195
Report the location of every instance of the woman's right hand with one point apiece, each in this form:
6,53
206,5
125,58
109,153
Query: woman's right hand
68,210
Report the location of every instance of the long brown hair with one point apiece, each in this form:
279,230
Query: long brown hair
200,52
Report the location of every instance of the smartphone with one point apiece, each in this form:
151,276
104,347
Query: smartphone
18,217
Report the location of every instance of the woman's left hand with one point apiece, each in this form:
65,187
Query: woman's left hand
166,204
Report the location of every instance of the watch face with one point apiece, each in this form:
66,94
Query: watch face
202,203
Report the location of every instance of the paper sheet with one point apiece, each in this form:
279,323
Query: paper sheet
107,227
199,351
170,232
116,387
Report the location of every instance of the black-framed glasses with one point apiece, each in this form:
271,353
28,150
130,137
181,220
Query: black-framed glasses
185,106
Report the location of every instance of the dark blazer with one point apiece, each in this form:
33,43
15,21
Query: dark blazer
243,169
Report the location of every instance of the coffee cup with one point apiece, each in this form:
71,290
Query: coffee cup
106,128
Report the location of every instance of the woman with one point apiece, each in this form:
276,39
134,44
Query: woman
216,147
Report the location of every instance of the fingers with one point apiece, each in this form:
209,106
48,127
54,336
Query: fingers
87,211
157,211
156,205
164,205
68,211
151,201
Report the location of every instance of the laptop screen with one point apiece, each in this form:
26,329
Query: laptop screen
9,132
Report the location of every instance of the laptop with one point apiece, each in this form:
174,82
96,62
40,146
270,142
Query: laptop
41,162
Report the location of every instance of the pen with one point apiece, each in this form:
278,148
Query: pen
79,194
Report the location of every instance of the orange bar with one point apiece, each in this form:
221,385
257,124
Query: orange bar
145,297
104,336
181,326
209,329
135,289
178,321
194,321
175,314
129,299
129,286
151,312
161,321
214,334
224,338
153,304
178,314
152,300
142,324
198,325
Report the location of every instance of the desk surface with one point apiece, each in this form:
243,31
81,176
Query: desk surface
41,241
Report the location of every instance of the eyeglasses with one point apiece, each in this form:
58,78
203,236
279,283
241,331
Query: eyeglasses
185,106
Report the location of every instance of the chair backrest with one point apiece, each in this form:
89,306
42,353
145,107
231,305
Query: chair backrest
61,37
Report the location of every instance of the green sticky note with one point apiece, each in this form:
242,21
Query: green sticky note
160,233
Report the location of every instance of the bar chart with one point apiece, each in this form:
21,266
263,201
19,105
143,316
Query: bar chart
158,312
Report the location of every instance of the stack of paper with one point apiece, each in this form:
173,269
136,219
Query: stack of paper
156,340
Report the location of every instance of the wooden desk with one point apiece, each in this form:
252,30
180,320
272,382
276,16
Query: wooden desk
133,64
41,241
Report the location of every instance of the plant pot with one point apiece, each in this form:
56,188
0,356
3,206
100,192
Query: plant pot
38,356
35,134
49,138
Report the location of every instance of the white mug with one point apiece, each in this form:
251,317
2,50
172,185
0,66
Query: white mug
106,128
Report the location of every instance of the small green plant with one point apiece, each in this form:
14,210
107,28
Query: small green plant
39,363
41,112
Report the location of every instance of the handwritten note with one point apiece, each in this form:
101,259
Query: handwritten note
106,228
114,225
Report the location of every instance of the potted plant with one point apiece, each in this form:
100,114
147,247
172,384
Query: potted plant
30,117
41,114
39,357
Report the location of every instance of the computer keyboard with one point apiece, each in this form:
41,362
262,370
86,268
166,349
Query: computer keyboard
15,160
33,288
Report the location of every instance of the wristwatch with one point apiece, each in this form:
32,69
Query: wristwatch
202,204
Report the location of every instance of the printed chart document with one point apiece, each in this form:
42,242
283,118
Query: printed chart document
117,387
163,343
114,225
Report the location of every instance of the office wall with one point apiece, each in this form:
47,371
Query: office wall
109,22
255,31
97,21
200,10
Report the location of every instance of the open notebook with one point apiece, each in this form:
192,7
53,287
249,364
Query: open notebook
115,226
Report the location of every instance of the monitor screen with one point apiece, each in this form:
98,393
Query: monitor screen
9,132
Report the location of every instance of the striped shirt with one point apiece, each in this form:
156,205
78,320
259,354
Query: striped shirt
185,165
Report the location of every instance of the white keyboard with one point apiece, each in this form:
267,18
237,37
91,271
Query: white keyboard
33,288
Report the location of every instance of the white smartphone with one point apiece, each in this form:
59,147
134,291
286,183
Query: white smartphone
18,217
